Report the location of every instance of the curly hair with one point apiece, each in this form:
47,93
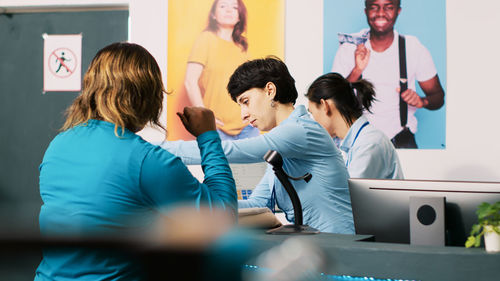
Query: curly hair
123,85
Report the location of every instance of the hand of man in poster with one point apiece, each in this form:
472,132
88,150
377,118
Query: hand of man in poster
197,120
412,98
361,57
219,123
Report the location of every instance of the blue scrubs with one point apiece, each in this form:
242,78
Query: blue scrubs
93,182
369,153
305,147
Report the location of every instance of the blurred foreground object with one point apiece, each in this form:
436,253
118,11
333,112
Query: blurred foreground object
189,228
296,259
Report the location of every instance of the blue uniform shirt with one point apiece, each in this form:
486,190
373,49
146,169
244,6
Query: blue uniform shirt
305,147
93,182
369,153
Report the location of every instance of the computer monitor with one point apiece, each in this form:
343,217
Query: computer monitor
381,207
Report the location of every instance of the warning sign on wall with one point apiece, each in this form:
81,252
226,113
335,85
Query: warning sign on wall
62,56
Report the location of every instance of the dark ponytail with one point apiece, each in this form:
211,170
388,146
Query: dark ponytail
364,92
349,98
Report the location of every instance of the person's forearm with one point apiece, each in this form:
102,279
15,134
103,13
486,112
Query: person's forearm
435,100
188,151
434,93
249,150
194,93
355,75
218,175
252,203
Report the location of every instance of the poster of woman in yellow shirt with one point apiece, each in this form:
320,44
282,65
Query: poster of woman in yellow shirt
207,41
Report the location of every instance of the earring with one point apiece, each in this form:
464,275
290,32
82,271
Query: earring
272,104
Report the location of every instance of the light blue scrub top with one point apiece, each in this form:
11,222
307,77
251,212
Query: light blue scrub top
305,147
95,183
371,154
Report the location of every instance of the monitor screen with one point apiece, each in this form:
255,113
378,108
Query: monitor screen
381,207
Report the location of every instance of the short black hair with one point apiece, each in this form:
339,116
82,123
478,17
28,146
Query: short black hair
398,3
257,73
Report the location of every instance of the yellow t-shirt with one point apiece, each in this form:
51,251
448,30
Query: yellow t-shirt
219,59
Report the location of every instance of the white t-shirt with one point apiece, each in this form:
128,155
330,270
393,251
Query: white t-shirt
383,71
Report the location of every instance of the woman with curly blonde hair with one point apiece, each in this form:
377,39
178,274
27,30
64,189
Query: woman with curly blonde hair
98,177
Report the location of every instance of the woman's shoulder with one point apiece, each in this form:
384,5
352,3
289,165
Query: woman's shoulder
304,132
373,132
312,128
374,138
206,35
150,156
148,147
300,124
205,40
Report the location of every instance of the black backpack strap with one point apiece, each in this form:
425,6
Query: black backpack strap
403,81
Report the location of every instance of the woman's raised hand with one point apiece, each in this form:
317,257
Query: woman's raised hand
197,120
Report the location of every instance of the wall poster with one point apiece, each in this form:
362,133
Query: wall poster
207,41
360,27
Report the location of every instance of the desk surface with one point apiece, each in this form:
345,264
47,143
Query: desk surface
347,255
343,255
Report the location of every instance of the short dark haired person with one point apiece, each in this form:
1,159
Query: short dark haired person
266,93
98,177
378,62
338,106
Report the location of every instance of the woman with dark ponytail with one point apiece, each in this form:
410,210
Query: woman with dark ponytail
338,106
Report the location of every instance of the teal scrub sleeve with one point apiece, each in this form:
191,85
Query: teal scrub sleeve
165,180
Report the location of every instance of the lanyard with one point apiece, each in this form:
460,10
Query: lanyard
273,200
355,138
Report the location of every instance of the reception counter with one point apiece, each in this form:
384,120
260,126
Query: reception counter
326,255
355,255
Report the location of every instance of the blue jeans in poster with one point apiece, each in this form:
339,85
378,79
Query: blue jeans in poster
247,132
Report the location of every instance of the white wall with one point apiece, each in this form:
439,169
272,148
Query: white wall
148,27
473,140
472,135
